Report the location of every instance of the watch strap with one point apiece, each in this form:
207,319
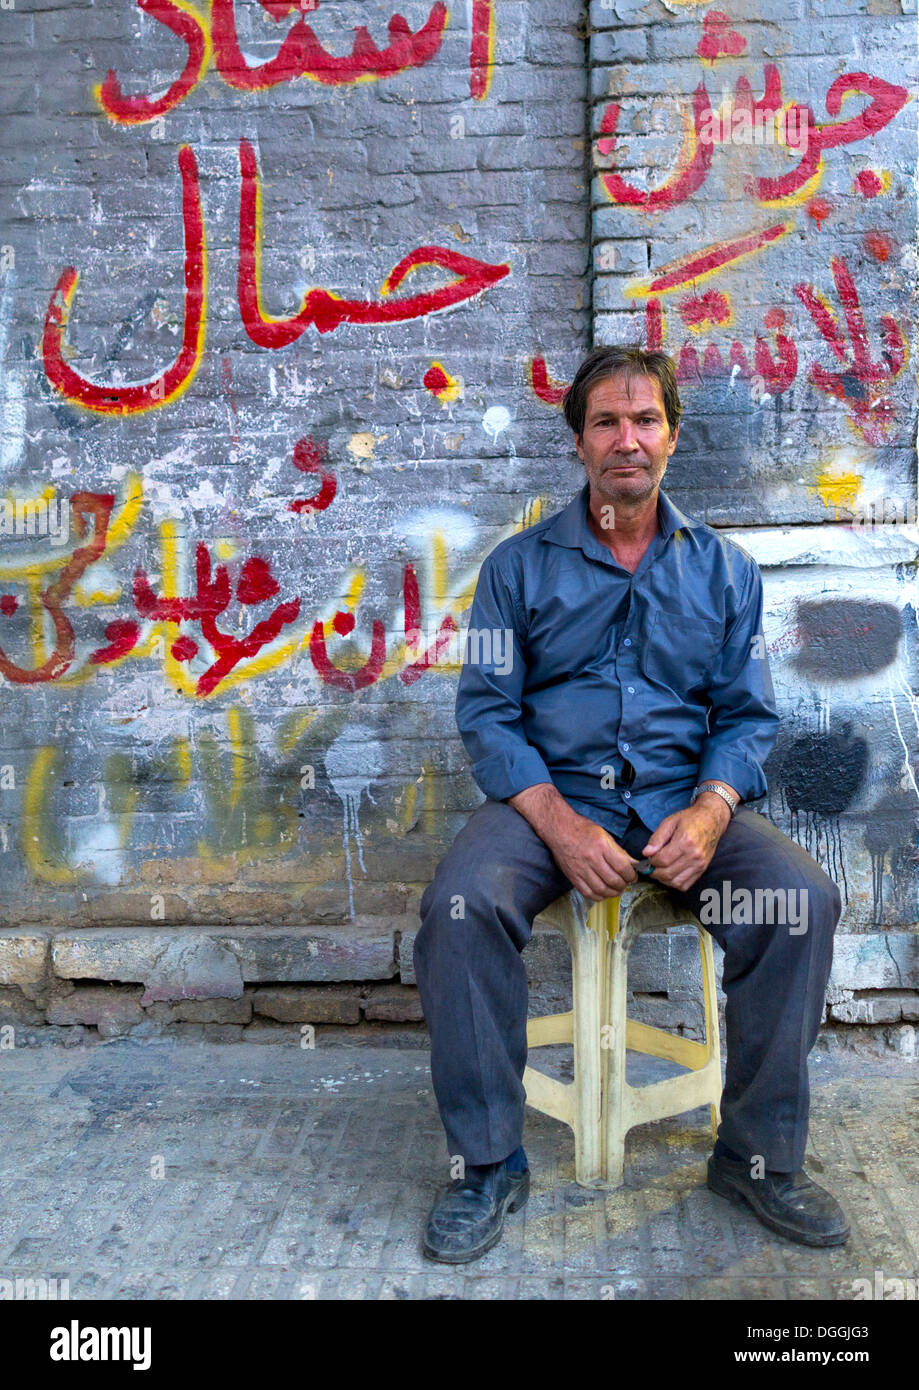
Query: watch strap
715,787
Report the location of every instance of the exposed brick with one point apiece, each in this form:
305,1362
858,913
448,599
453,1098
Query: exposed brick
202,1011
393,1004
305,1004
113,1009
23,957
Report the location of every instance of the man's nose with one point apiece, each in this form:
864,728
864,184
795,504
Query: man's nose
628,442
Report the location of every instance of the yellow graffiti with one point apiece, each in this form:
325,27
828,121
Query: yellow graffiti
120,528
838,490
293,729
244,823
40,848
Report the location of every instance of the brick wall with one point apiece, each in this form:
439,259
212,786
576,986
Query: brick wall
286,308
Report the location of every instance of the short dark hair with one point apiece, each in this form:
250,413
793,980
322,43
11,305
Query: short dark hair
603,362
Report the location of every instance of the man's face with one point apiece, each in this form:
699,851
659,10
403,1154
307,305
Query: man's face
626,441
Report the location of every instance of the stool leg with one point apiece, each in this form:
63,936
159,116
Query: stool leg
588,967
712,1036
615,1093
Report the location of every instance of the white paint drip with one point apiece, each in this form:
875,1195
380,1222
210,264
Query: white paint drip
893,705
353,760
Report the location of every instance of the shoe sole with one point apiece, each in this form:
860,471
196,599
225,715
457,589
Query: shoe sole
513,1202
723,1187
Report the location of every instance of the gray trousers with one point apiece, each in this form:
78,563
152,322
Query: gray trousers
477,916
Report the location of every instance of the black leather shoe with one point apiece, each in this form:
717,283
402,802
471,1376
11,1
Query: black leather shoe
791,1204
468,1217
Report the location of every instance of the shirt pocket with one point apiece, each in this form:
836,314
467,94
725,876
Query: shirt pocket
681,652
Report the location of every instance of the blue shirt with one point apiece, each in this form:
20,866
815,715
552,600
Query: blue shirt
624,690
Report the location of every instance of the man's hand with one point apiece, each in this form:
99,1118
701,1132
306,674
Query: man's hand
587,854
682,846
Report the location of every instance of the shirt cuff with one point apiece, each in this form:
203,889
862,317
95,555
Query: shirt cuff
747,779
502,775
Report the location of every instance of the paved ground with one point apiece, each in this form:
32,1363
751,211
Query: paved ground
291,1173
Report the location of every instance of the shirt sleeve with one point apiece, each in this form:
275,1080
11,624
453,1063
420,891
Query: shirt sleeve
743,721
488,698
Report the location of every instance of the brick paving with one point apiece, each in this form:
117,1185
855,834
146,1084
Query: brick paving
291,1173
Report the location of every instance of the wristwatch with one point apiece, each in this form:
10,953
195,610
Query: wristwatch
716,787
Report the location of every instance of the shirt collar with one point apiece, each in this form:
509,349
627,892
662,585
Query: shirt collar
570,526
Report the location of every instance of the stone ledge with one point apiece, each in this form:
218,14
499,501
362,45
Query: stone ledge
179,963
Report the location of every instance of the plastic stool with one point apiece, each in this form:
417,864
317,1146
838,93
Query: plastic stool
599,1105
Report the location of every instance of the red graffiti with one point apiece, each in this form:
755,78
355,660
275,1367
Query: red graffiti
302,55
412,618
692,168
97,505
122,400
132,110
777,371
718,39
480,46
548,390
699,309
255,585
327,311
858,383
184,648
819,209
705,129
122,636
436,380
654,325
692,267
366,674
308,457
886,101
879,245
868,183
8,604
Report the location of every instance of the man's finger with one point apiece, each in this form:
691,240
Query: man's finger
661,836
618,859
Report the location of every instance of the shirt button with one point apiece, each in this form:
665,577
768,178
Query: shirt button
625,747
627,795
631,689
627,642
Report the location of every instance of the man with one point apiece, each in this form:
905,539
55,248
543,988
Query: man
627,715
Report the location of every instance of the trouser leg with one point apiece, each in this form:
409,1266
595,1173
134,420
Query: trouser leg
476,917
775,977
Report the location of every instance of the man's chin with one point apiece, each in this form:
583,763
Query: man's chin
624,481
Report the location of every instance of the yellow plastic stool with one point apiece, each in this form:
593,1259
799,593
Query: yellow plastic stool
599,1105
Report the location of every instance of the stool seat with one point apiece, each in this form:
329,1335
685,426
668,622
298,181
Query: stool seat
599,1105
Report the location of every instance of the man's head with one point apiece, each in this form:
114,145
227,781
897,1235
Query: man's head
624,408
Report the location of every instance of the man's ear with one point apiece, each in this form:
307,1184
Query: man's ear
578,444
673,439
